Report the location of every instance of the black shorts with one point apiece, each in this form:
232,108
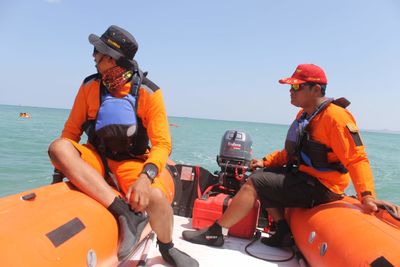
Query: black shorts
278,188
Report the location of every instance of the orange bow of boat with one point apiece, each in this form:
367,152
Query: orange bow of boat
341,234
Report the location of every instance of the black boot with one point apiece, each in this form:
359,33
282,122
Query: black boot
175,257
131,225
281,238
211,236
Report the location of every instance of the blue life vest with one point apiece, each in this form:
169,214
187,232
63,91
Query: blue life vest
302,149
116,123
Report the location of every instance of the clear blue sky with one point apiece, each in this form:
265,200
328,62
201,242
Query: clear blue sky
218,59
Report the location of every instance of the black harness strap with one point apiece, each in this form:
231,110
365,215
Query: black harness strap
317,151
108,173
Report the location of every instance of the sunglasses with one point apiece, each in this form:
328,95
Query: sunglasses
297,87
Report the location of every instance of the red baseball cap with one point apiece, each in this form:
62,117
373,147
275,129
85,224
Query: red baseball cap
306,73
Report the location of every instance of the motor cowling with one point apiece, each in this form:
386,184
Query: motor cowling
234,157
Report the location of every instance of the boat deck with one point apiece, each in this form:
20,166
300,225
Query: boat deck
232,253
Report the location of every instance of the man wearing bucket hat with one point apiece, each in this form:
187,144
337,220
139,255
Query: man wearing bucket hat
323,151
121,110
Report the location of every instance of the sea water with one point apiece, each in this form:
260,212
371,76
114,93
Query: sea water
24,162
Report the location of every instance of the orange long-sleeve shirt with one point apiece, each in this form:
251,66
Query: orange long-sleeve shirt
151,110
336,128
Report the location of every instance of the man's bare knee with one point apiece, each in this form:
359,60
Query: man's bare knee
58,148
249,188
158,201
157,196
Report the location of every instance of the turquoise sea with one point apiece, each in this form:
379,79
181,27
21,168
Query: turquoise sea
24,163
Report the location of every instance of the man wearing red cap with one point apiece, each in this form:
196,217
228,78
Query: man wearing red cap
323,151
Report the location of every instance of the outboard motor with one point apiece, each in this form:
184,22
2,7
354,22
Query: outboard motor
234,158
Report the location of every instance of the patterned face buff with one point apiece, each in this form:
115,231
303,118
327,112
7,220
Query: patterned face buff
115,78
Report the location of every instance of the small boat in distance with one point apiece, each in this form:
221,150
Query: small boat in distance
24,115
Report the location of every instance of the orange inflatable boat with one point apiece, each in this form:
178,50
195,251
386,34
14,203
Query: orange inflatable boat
340,234
57,225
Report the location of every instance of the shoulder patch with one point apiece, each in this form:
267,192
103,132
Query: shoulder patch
91,77
341,102
149,85
354,133
352,127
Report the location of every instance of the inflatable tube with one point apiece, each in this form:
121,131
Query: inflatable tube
341,234
57,225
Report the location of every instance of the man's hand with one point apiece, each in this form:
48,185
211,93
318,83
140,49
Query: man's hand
256,163
138,195
371,205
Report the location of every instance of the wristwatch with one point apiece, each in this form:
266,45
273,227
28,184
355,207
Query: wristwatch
151,171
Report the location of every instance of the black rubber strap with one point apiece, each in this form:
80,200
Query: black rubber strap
381,262
390,211
65,232
226,203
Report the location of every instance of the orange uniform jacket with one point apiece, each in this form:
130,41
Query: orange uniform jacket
150,109
335,127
